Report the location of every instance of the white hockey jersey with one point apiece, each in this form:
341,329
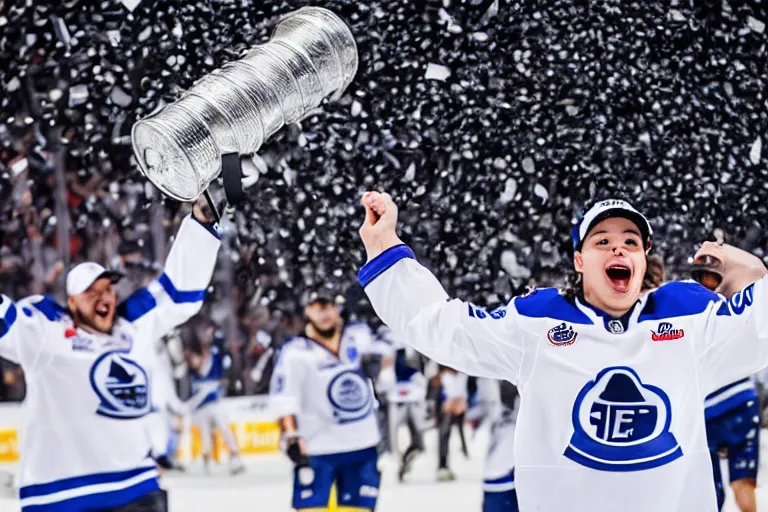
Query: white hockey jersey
332,400
612,412
85,444
407,383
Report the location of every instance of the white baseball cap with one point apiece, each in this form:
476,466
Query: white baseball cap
85,274
606,210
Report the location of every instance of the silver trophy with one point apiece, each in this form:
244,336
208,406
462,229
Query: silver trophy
234,110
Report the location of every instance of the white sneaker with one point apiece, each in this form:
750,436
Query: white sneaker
236,465
445,475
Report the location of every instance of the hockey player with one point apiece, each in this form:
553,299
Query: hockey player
452,404
733,422
499,400
164,421
208,369
85,446
406,399
326,409
612,381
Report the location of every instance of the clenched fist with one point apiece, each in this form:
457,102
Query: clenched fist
379,227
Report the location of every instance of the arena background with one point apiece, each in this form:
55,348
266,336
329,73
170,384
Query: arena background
491,122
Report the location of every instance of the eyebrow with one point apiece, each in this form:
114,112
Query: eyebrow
631,231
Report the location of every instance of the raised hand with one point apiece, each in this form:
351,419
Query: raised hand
379,227
737,267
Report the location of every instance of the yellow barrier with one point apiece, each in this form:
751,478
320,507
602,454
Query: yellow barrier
252,438
9,445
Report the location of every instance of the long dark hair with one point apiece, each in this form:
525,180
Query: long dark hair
654,277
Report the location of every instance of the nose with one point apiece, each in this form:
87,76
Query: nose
618,250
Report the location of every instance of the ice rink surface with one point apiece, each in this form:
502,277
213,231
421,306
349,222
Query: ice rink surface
266,486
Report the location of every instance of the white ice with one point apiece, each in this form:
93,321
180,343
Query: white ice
266,486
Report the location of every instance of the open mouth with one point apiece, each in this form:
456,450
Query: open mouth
619,276
102,312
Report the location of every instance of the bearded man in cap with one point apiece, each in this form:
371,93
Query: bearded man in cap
85,446
326,405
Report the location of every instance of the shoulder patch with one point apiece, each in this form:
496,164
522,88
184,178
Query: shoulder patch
548,303
676,299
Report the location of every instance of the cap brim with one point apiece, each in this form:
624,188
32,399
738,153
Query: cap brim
113,275
636,218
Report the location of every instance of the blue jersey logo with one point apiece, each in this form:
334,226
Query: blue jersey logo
121,385
621,424
350,396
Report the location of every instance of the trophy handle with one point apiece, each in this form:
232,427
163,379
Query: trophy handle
232,174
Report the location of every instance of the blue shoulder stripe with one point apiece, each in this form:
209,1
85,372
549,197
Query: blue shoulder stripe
8,320
51,309
180,296
137,305
676,299
548,303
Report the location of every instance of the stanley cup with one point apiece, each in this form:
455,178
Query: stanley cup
310,56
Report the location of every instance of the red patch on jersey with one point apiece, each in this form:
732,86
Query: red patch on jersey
70,332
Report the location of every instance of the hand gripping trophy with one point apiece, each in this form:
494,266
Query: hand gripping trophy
231,112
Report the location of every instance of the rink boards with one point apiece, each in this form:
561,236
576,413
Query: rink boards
250,419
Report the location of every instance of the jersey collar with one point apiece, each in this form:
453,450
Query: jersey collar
614,325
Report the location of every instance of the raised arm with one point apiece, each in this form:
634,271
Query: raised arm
178,293
411,301
735,342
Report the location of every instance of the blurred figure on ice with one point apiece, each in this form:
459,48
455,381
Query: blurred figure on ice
327,408
498,402
452,403
406,395
208,367
165,419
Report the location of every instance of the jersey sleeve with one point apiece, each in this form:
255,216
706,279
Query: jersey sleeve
177,295
411,301
735,341
286,383
23,336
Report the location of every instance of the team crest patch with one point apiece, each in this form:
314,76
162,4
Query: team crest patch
562,335
121,385
350,396
666,332
622,424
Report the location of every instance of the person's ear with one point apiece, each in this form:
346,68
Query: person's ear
578,262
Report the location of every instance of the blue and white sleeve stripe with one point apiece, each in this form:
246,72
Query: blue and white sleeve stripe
90,492
382,263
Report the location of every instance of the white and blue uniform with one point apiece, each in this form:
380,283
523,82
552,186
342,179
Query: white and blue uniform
85,445
612,409
499,493
165,404
205,402
733,423
334,406
406,393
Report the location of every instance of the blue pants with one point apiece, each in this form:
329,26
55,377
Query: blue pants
738,430
499,495
354,473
